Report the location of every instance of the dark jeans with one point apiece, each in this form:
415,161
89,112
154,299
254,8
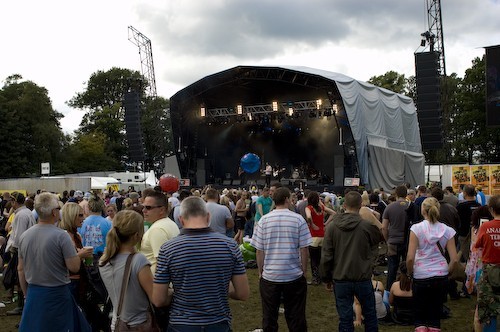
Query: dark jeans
217,327
428,300
344,298
294,295
393,263
315,255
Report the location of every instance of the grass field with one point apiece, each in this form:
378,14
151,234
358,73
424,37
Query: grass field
321,312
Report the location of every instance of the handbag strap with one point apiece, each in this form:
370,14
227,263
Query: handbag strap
440,249
126,278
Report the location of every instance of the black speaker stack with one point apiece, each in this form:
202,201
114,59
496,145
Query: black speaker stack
429,109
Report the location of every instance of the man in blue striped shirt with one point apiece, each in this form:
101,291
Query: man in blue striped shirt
282,238
205,268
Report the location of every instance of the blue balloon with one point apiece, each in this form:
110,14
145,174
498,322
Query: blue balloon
250,163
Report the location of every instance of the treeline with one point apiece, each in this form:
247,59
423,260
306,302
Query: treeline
30,130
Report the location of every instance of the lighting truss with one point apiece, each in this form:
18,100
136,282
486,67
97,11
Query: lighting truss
298,106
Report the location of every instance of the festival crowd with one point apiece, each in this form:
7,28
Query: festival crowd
138,261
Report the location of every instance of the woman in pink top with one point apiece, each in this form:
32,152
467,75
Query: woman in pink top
428,265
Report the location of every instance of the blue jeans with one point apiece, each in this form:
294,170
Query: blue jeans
344,298
249,227
393,263
491,327
217,327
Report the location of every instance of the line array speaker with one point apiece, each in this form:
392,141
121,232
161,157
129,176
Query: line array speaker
429,109
132,105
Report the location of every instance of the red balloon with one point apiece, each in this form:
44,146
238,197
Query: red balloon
169,183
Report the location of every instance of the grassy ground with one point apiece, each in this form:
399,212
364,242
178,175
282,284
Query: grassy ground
321,312
322,315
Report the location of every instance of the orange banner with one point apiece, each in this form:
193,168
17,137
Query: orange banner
495,179
460,175
481,177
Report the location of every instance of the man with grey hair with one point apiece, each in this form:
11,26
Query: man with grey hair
46,253
199,256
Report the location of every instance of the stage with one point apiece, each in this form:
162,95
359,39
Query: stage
317,126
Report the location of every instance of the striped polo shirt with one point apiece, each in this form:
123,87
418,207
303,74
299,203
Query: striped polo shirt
280,234
199,263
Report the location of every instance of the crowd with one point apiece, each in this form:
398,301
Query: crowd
120,261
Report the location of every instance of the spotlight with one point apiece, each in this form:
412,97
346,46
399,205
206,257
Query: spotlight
422,42
290,111
239,109
249,116
335,108
318,104
275,106
202,112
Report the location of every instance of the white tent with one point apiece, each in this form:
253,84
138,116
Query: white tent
385,128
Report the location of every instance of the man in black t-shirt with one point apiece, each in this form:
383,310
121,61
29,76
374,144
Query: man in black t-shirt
465,210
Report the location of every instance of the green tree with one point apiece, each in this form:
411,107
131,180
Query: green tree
30,129
157,133
102,100
88,153
391,81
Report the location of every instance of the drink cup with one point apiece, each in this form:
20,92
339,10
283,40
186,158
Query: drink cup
89,260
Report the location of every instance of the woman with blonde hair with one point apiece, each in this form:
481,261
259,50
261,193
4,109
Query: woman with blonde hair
426,262
72,218
127,231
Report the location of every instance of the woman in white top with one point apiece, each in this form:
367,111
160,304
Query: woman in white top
127,231
428,265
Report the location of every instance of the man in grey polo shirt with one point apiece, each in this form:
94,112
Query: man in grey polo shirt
220,216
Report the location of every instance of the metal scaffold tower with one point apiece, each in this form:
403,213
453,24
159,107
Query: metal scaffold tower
434,36
146,56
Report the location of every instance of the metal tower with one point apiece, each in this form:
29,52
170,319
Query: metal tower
434,36
146,55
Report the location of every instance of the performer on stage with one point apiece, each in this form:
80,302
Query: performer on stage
268,172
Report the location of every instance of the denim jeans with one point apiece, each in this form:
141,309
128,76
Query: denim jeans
344,298
249,227
428,300
491,327
393,263
217,327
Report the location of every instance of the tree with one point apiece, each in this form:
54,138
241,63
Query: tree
88,153
102,100
468,137
30,129
157,133
390,81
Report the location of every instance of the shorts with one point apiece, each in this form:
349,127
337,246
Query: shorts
240,222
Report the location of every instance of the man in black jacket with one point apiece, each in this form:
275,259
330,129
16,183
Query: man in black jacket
346,261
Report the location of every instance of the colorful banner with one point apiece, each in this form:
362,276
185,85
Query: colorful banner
480,177
460,175
495,179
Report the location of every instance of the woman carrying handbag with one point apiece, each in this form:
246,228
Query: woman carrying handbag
127,275
428,266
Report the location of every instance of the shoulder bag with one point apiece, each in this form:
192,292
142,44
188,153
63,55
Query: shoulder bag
457,269
120,325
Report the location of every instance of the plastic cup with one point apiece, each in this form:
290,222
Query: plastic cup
88,260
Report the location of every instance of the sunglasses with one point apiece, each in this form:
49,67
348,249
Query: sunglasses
150,207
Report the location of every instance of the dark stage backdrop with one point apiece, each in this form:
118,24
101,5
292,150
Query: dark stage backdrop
306,143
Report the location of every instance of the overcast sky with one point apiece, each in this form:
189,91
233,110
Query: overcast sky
59,44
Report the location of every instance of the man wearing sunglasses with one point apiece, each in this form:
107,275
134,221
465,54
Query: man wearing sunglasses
155,210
